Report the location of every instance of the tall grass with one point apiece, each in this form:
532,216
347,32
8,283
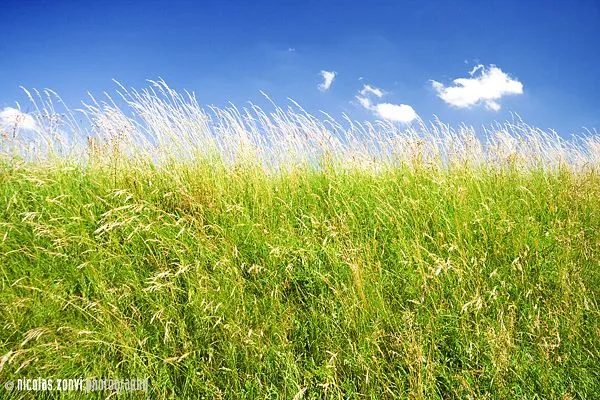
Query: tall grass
239,253
159,124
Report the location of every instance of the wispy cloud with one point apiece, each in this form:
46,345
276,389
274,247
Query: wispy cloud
388,111
328,77
12,117
364,101
372,90
491,85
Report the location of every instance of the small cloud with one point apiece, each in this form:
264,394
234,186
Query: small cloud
12,117
365,102
491,85
371,89
291,50
360,78
388,111
475,69
492,105
328,77
438,86
396,112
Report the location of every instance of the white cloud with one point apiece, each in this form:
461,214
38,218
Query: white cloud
396,112
371,89
11,117
328,77
388,111
475,69
365,102
491,85
492,105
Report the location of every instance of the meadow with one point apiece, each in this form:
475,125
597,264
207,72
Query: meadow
240,253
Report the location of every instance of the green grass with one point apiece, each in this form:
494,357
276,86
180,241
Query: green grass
462,282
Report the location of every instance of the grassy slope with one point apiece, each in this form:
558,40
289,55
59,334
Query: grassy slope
418,284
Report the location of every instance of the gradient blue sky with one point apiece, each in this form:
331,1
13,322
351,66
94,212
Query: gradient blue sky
229,50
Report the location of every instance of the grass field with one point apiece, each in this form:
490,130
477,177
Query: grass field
222,259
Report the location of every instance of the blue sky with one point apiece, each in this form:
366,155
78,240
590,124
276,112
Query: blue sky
230,50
